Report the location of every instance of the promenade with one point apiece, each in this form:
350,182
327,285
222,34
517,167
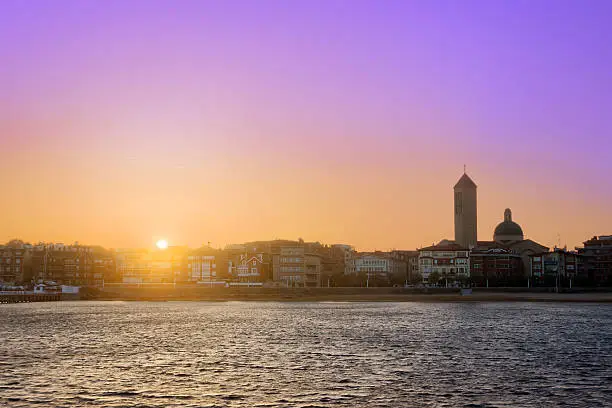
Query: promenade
386,294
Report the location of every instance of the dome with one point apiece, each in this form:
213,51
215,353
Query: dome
508,230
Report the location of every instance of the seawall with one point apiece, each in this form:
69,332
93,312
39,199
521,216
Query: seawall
198,293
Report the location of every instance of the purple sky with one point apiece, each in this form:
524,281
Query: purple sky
521,91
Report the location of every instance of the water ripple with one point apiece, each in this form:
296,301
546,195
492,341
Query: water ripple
240,354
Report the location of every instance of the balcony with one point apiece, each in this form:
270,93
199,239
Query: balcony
247,274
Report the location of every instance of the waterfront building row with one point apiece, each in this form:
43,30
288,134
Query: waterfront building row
511,261
502,265
77,265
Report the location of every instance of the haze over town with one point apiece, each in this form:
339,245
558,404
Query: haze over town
119,127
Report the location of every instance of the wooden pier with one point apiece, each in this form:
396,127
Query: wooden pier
21,297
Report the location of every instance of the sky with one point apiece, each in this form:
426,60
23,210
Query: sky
124,122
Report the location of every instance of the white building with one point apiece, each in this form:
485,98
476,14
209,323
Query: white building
447,259
373,264
202,268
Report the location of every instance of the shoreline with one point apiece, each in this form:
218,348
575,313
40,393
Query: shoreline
430,299
345,295
423,295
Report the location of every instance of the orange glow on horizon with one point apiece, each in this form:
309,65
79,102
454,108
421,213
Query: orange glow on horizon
381,207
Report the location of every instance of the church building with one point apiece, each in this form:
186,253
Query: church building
505,260
502,261
506,257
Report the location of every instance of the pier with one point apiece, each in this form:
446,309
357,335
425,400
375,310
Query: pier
28,297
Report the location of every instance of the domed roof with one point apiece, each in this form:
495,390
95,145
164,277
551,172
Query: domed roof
508,230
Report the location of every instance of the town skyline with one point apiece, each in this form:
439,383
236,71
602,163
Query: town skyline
291,203
173,242
333,121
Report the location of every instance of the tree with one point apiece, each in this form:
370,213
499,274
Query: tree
15,244
416,278
434,278
464,281
398,279
343,280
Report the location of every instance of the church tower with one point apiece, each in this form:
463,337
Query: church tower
465,212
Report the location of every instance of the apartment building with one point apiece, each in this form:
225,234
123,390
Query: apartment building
597,253
559,267
13,259
207,265
496,267
376,266
293,267
74,265
447,260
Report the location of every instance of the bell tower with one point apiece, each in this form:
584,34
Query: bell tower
466,221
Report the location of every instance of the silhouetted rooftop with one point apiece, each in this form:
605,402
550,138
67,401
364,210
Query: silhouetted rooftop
465,181
508,228
445,247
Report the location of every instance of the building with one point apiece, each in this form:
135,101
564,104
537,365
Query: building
208,265
508,235
250,268
72,265
48,262
557,268
378,268
169,265
496,260
293,263
143,266
247,266
13,258
134,266
79,268
447,260
405,265
399,264
294,267
313,268
496,266
414,274
597,254
508,231
273,246
466,220
332,262
376,265
103,267
349,262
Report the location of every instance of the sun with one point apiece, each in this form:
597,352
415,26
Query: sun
162,244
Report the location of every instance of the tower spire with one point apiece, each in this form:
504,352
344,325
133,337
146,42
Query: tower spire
464,169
